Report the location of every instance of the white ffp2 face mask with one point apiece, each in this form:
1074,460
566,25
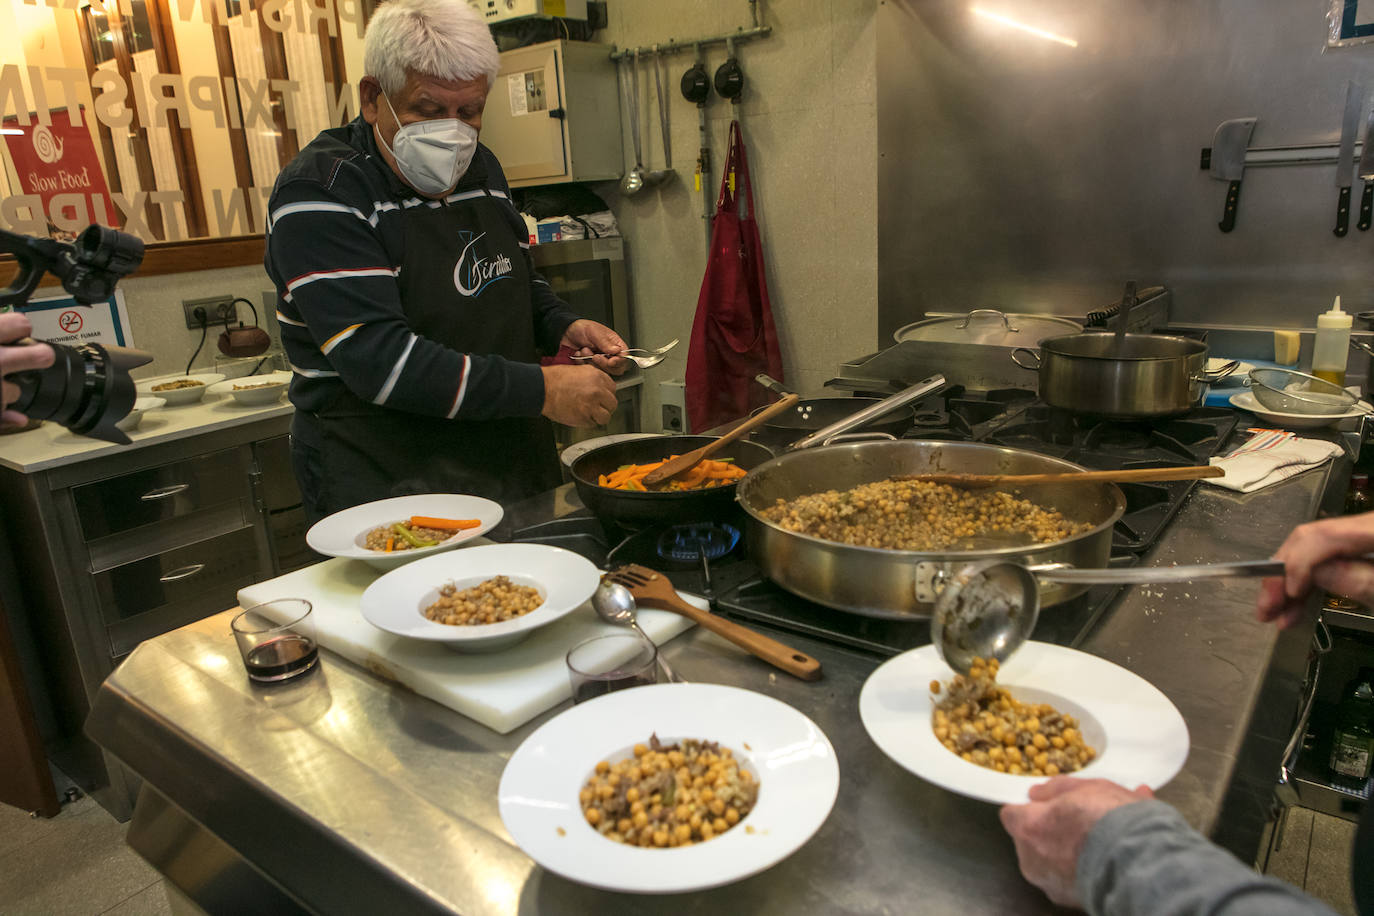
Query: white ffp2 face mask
432,155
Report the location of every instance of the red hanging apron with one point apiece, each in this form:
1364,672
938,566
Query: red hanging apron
733,338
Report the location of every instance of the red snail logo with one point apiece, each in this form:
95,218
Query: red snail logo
48,148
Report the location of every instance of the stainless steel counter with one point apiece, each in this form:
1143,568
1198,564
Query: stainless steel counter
352,795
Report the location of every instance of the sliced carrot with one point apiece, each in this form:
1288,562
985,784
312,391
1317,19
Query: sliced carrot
444,524
390,543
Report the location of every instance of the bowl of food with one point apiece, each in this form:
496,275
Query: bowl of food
1065,712
177,390
749,780
1290,392
135,415
483,599
255,390
390,532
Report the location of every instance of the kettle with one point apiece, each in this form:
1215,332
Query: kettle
244,341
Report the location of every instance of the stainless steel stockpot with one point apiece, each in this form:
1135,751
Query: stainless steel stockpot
1145,375
876,582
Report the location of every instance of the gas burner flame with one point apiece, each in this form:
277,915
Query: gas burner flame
686,543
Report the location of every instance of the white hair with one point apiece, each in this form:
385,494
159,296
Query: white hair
446,39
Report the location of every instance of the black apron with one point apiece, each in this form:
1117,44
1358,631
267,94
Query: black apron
354,452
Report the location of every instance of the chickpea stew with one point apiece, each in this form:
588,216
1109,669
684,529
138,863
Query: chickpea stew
493,601
985,725
921,515
668,795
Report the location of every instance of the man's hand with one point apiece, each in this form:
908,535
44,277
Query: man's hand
590,338
1049,832
1327,554
578,395
15,326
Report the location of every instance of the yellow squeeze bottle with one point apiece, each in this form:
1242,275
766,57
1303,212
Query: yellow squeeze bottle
1331,347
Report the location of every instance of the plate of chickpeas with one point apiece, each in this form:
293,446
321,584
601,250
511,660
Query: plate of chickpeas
480,599
669,788
1047,711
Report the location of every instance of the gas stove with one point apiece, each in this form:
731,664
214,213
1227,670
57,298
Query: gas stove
711,558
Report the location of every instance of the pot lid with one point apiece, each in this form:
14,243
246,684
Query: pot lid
989,326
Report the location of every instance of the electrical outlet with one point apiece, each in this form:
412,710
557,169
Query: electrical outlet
217,308
672,397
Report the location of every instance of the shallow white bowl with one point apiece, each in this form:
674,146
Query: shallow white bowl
792,758
396,602
135,416
178,396
343,533
1139,735
1245,400
273,387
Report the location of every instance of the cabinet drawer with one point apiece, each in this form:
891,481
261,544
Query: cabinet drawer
207,574
160,493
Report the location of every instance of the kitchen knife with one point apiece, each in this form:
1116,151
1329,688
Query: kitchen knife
1345,160
1228,162
1367,173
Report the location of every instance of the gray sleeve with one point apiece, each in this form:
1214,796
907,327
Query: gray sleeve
1144,860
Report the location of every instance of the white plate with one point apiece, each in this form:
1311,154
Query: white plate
342,534
1245,400
178,396
793,760
135,415
1139,735
1235,378
396,602
578,449
254,397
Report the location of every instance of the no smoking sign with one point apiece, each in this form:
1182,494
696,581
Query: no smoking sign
70,322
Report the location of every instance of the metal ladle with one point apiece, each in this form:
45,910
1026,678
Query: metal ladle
613,603
633,182
988,609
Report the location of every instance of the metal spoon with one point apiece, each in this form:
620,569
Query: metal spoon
633,182
614,604
989,608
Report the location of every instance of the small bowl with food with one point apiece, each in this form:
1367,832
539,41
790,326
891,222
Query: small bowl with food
390,532
669,788
177,390
255,390
482,599
135,415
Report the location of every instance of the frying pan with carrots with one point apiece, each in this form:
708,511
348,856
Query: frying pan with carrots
634,508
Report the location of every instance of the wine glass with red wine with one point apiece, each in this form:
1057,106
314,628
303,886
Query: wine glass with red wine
277,639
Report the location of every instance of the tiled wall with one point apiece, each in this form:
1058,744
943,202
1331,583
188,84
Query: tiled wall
809,117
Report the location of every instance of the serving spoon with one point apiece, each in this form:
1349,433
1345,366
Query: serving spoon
987,609
613,603
1133,475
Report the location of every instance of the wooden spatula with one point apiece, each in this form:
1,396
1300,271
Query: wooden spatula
976,481
652,589
681,463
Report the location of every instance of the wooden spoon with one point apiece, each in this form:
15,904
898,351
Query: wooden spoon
653,589
676,466
975,481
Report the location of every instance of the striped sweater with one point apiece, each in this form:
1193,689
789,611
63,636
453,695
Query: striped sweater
335,243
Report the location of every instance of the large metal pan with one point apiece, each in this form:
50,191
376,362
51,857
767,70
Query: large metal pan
883,583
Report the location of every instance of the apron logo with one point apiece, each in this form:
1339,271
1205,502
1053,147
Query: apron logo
471,277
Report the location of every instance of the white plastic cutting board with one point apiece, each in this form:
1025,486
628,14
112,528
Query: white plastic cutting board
502,690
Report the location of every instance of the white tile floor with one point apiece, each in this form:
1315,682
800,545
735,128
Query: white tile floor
77,864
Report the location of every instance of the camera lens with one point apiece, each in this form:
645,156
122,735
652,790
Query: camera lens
87,389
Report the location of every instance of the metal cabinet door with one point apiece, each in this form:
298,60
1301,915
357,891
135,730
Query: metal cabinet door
523,123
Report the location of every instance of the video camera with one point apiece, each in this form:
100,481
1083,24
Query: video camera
87,388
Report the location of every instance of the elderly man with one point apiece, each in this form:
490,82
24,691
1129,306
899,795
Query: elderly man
411,313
